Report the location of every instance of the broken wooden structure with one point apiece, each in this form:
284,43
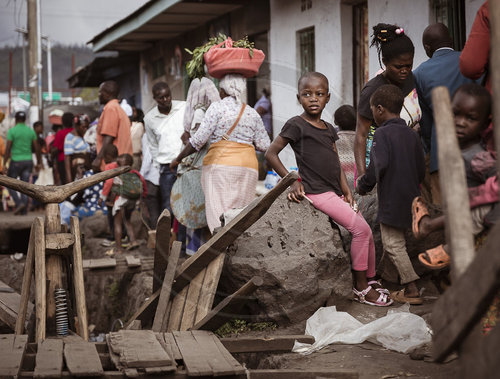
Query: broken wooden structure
54,257
456,317
142,353
183,296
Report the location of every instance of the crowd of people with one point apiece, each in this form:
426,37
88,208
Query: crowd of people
207,145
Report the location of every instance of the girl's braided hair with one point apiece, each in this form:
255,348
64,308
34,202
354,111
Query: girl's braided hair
391,42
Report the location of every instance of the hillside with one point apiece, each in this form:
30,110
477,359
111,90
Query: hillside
61,66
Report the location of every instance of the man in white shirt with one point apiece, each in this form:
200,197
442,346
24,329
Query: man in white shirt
164,127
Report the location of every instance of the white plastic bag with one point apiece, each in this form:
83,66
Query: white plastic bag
399,330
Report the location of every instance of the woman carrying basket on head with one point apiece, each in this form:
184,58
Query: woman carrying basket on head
230,168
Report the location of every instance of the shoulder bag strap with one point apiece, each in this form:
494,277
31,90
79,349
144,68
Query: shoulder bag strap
225,136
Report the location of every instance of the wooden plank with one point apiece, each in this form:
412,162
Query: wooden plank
40,279
9,307
170,341
213,273
49,359
195,362
54,266
303,374
220,359
175,316
139,349
144,310
25,289
463,304
78,283
99,263
162,248
135,325
82,359
12,350
454,191
59,241
192,299
210,250
132,261
228,307
161,316
243,344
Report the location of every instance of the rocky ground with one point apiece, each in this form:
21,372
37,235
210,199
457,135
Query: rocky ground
304,264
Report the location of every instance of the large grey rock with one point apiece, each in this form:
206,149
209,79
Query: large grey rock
96,226
294,248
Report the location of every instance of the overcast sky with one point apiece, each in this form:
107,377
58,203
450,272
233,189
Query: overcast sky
64,21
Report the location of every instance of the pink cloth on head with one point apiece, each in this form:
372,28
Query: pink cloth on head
362,245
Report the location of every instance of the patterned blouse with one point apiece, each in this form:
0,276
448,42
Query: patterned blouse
219,118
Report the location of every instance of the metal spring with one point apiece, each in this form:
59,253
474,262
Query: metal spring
61,312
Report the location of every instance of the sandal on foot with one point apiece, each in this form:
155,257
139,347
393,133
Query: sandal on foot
383,300
133,245
400,297
379,287
435,258
418,211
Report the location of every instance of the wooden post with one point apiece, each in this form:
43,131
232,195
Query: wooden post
455,197
40,284
162,248
495,71
81,306
54,265
25,289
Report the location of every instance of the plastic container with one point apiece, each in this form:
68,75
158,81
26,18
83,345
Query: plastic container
271,180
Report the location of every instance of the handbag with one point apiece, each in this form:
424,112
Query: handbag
221,61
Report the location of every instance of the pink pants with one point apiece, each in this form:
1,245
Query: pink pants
362,245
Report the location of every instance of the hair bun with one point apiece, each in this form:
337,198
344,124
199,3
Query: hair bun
399,31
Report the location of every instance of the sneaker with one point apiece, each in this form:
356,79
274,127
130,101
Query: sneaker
107,243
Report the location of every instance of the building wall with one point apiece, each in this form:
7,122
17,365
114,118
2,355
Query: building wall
471,7
412,15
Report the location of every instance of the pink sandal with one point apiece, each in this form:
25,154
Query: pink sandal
383,300
379,288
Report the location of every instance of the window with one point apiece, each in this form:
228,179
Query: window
452,14
158,68
305,39
305,5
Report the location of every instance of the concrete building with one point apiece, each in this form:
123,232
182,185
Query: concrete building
333,37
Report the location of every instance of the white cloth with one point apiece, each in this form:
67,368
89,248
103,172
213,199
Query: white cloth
164,132
136,133
235,85
202,92
149,170
219,119
127,108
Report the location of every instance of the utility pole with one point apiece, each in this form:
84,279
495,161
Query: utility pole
35,65
10,81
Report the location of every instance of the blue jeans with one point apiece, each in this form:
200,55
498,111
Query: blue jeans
167,180
21,170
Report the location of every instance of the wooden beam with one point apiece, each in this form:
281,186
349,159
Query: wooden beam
59,241
229,307
243,344
9,307
82,359
247,217
25,289
40,279
78,282
99,263
12,348
463,304
56,195
454,192
161,316
303,374
162,248
49,359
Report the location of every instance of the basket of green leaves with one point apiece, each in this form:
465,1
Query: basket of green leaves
224,56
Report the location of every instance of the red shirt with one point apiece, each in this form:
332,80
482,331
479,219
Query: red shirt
59,142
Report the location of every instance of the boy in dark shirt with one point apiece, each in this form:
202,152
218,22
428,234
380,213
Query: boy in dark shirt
397,166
